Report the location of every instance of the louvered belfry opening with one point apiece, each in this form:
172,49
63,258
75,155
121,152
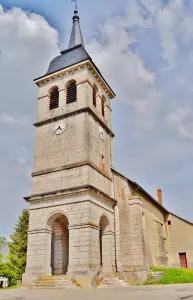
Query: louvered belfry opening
103,107
71,92
54,98
94,95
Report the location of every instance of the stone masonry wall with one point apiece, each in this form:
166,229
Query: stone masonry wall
99,150
83,218
155,232
180,233
71,147
85,80
71,178
132,251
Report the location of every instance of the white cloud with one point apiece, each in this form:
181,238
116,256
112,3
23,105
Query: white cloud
126,70
26,40
23,120
21,160
182,120
118,55
27,45
178,115
146,55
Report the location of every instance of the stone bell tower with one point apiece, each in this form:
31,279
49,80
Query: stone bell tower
71,228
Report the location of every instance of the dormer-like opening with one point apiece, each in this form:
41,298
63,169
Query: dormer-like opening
95,90
54,97
71,92
103,101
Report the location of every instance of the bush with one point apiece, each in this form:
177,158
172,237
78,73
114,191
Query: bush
174,275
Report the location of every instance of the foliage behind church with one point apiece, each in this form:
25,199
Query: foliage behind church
15,264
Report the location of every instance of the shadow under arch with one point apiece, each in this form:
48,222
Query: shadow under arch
53,216
104,227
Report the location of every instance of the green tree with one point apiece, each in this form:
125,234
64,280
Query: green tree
2,241
16,260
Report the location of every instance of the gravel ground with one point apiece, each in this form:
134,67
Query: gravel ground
171,292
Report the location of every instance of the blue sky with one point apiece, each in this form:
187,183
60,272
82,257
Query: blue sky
57,12
144,49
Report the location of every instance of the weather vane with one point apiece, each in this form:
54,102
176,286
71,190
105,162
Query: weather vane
75,3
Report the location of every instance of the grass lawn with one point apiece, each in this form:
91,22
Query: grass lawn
10,287
172,276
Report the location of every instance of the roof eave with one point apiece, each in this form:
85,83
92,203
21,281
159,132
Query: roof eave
51,73
139,188
89,59
97,70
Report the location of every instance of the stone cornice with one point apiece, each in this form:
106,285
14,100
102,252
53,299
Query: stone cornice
72,166
82,226
87,63
85,189
39,231
133,200
79,111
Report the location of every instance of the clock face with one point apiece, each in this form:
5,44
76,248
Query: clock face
59,128
101,133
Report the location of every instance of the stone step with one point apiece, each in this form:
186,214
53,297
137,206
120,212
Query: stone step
111,281
68,287
54,282
61,277
50,283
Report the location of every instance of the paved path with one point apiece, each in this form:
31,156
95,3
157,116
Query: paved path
172,292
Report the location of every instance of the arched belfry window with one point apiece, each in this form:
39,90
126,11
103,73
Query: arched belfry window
103,106
71,92
95,95
54,97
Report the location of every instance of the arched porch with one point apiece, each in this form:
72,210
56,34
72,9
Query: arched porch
59,252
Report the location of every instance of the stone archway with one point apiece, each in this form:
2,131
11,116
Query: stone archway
59,244
104,245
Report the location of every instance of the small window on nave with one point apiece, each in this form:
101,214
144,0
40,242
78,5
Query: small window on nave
54,97
71,92
95,95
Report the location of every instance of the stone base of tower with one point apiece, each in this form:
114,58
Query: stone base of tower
88,278
74,239
29,279
31,275
134,277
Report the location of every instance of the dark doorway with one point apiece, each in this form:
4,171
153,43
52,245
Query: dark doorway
183,260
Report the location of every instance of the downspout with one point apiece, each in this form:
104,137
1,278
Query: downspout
115,240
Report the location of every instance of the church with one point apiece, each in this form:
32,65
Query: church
87,219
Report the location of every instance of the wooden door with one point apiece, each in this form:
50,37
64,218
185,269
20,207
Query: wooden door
183,260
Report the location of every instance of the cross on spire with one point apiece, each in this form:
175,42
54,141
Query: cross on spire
76,6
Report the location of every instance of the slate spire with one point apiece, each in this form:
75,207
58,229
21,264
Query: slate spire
76,34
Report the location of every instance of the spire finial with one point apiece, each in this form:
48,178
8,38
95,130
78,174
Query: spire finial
76,6
76,34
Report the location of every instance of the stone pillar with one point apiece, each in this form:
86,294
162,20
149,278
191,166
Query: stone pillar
137,241
84,253
38,256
